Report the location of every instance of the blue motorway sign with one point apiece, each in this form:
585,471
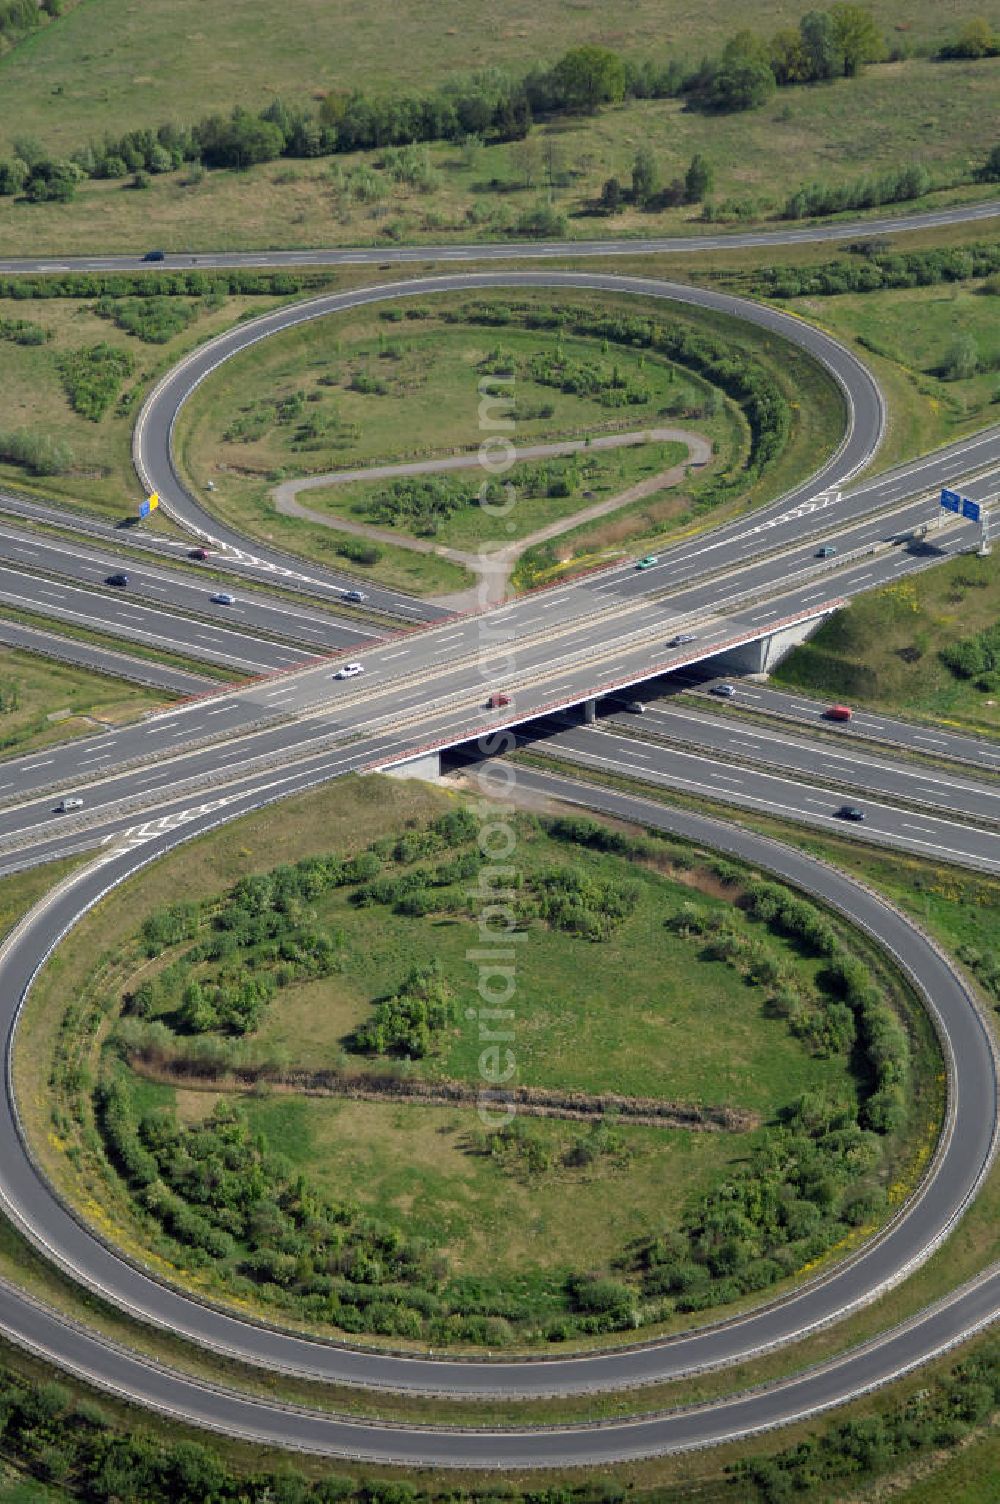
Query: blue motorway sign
970,509
950,500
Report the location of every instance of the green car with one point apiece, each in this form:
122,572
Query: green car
647,562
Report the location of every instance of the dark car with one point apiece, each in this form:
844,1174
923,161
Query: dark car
850,812
121,580
154,256
682,638
198,553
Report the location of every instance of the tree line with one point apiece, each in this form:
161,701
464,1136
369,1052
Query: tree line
491,106
873,267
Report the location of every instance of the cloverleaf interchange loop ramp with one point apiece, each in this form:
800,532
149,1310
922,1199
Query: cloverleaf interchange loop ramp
963,1156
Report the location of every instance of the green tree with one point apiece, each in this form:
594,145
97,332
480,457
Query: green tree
740,83
790,62
857,36
961,360
586,77
975,39
30,150
645,176
698,179
988,173
13,175
611,196
52,182
819,38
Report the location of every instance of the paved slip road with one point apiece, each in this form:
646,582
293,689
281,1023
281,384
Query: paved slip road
964,1153
808,797
154,426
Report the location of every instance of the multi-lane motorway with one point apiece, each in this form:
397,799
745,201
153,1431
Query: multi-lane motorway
147,788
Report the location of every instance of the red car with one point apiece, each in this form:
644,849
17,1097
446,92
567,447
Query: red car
838,713
497,700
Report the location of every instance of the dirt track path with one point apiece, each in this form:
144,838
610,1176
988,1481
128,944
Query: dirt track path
493,565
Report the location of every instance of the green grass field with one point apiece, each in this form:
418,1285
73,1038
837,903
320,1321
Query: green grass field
697,1032
883,650
914,332
601,476
99,63
895,113
294,403
35,396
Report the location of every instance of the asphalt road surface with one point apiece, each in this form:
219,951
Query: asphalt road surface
118,614
852,768
799,710
129,533
821,787
173,591
176,681
398,255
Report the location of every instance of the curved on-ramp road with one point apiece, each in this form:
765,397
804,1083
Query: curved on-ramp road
962,1158
152,446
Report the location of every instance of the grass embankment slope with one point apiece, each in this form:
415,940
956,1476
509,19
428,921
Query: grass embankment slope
884,651
43,701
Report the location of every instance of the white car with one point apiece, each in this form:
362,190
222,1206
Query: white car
65,805
349,671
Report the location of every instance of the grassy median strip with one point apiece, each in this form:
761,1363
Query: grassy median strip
131,649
